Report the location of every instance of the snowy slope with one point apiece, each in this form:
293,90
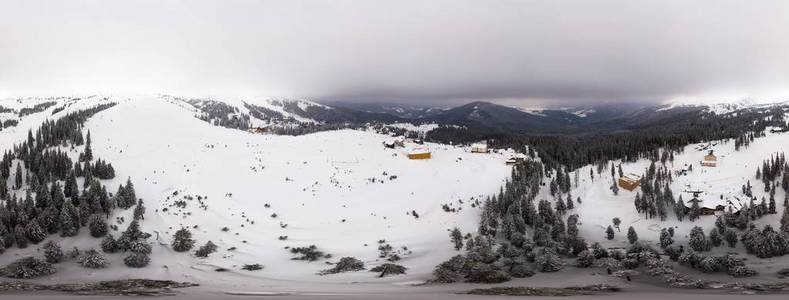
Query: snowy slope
320,185
734,169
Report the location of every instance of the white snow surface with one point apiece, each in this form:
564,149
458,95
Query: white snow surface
320,185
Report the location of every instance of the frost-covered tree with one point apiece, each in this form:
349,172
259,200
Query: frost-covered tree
35,234
731,238
457,238
109,245
632,236
715,237
665,238
52,252
20,235
97,226
549,261
182,240
139,211
698,240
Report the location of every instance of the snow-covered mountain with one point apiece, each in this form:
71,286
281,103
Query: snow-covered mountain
255,195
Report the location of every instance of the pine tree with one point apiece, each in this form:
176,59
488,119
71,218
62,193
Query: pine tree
698,241
18,176
665,238
109,245
20,235
632,236
715,237
182,240
457,238
731,238
87,155
34,232
68,226
97,226
549,261
139,211
609,233
785,220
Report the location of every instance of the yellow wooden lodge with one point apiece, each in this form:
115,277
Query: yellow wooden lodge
630,181
419,153
710,160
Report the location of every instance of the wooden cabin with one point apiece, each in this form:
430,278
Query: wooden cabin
419,153
479,148
257,130
630,181
710,160
394,142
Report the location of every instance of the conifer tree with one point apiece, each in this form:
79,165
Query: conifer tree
182,240
632,236
97,226
457,238
609,233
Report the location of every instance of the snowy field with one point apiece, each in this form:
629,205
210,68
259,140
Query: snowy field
341,191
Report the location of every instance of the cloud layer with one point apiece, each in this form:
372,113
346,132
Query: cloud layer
412,51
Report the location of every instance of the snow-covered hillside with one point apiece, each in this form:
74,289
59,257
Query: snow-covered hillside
716,185
339,190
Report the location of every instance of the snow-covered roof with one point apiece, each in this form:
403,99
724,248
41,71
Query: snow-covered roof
419,150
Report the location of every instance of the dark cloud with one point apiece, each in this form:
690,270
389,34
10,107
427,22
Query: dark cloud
413,51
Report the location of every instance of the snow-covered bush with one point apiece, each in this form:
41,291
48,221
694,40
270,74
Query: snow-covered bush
92,259
346,264
585,259
450,270
137,260
387,269
109,245
485,273
252,267
140,246
309,253
52,252
27,267
206,249
521,271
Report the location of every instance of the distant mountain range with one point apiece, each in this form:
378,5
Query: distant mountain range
491,116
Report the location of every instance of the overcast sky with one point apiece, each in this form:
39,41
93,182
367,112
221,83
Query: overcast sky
525,52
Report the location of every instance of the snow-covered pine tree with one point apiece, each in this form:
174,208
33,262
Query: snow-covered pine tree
632,236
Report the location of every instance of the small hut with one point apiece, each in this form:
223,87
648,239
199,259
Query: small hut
629,181
710,160
479,148
394,142
257,130
419,153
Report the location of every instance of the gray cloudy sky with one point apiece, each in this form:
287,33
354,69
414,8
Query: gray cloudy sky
530,52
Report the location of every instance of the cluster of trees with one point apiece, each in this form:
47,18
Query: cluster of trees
771,169
220,114
53,201
534,237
